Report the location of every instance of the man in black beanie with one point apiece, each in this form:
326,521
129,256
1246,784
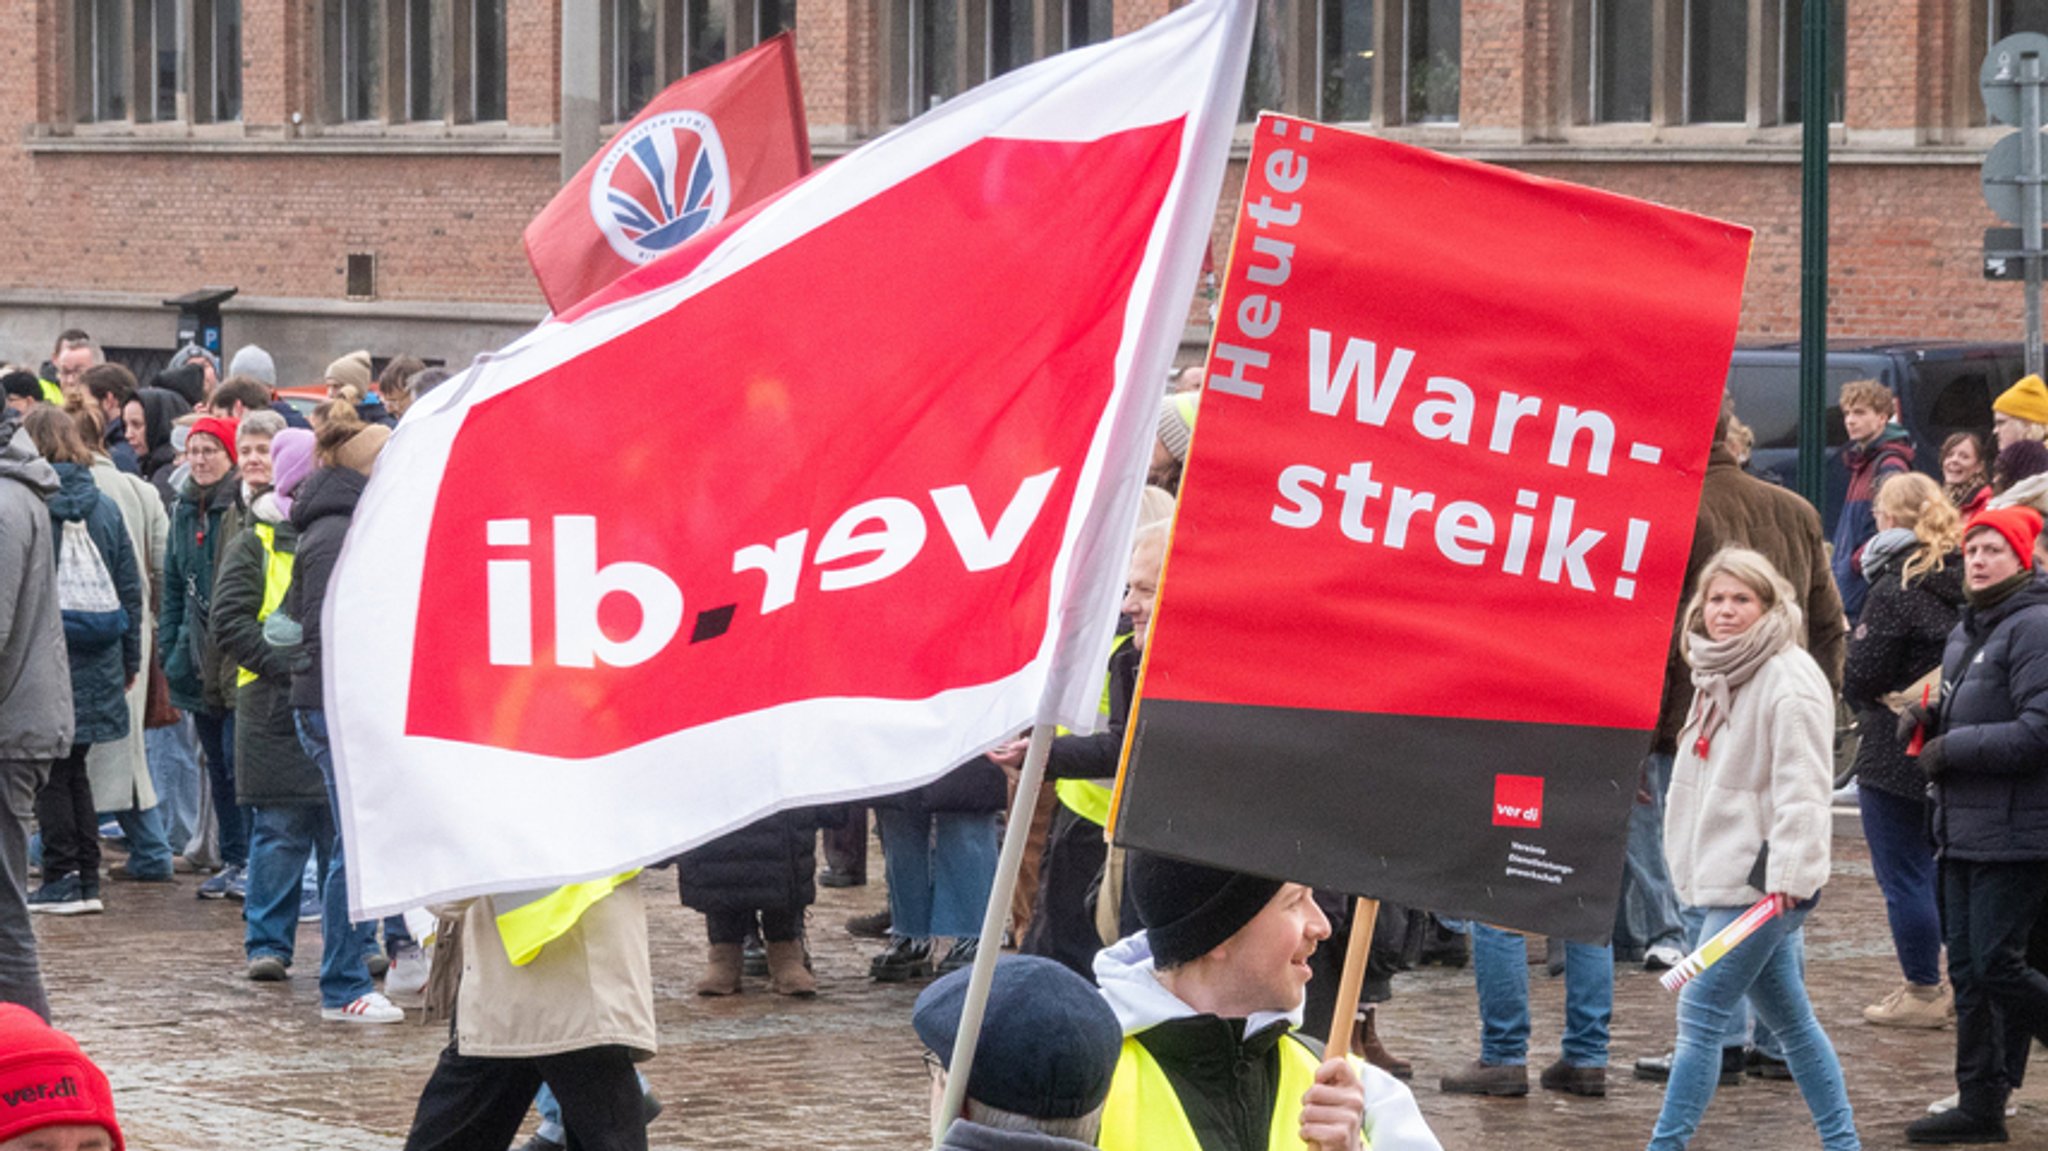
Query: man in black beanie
1209,996
1043,1064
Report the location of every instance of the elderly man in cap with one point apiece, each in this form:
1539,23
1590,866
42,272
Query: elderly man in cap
1209,995
1043,1064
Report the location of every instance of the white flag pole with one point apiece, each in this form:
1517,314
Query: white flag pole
1015,836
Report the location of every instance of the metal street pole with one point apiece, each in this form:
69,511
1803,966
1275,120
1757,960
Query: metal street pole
580,60
2030,200
1813,248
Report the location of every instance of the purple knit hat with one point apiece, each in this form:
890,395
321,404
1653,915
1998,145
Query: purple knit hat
291,460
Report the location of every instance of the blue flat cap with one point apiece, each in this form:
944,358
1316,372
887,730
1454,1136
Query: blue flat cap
1049,1043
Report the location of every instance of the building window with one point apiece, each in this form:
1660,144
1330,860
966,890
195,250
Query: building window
2010,16
1344,35
1716,61
426,50
218,70
1087,22
130,61
1264,85
1621,58
772,18
704,38
630,58
486,49
1012,28
935,46
1432,54
1792,60
353,48
100,73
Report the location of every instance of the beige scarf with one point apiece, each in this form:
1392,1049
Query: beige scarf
1721,666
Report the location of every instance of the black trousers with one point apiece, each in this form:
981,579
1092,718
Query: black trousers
478,1104
846,846
70,825
780,925
2001,1002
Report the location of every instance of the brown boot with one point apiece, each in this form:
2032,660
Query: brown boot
721,971
1365,1043
788,973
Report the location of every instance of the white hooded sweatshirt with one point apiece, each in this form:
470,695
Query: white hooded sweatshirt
1131,984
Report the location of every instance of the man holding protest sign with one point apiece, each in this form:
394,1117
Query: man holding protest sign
1209,996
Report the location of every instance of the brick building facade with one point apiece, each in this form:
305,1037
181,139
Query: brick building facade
361,169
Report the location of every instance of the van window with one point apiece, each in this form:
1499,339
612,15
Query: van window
1955,395
1767,399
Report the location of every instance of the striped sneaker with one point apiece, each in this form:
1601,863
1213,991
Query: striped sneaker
371,1008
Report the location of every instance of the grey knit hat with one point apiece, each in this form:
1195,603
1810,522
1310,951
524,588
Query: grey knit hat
1177,422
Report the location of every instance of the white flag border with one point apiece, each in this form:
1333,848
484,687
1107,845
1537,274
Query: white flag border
1060,683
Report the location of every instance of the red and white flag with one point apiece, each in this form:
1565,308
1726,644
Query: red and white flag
711,144
816,508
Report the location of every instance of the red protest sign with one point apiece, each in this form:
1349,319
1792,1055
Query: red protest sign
1458,415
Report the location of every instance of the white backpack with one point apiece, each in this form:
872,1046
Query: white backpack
93,615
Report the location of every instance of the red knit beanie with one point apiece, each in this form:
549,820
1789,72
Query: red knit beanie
2020,525
46,1081
220,428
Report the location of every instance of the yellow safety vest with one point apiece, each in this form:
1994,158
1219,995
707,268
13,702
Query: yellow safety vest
1142,1112
277,577
529,921
52,394
1085,797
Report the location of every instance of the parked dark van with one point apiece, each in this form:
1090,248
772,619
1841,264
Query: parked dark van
1943,387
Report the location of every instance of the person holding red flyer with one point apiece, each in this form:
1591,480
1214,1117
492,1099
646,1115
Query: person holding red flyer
1749,817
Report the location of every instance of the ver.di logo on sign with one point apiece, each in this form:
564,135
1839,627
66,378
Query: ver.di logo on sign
1518,801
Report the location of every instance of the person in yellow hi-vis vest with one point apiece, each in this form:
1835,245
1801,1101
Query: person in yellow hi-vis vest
1209,996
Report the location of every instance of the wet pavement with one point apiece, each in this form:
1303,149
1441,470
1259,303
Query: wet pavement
202,1059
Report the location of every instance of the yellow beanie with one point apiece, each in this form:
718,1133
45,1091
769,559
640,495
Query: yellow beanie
2026,400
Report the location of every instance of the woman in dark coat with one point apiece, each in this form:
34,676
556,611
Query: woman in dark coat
148,418
1916,593
1986,752
104,661
766,871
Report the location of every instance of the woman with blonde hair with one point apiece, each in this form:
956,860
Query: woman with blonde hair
1749,817
1916,594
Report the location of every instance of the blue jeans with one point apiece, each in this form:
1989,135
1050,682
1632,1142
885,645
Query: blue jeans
1902,856
1500,965
1768,973
344,977
173,755
217,736
283,840
1649,911
149,853
941,866
1740,1027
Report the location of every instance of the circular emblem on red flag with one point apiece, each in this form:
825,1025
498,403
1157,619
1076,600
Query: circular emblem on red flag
661,182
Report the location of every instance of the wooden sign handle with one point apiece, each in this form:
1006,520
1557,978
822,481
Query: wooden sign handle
1364,915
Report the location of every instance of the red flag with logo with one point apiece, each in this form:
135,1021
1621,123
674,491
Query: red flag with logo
710,145
1460,415
829,501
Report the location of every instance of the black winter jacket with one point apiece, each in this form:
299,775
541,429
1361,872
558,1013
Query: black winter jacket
1991,801
321,510
271,767
768,865
1096,756
1899,638
100,672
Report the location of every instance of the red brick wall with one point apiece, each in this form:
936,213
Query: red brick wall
445,225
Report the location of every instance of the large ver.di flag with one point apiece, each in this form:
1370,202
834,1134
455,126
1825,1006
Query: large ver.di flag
1432,533
817,508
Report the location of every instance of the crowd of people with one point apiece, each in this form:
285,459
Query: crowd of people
165,551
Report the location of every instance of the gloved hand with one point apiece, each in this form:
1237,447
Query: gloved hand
1915,717
1931,758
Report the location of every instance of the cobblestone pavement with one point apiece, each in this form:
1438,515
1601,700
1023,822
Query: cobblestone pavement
201,1059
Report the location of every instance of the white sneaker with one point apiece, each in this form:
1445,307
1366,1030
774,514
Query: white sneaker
406,982
371,1008
1954,1099
1845,795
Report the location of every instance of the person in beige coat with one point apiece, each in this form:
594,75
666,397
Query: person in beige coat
1749,819
576,1018
119,771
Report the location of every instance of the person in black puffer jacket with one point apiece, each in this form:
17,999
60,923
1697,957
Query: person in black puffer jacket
764,869
1986,749
1916,592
